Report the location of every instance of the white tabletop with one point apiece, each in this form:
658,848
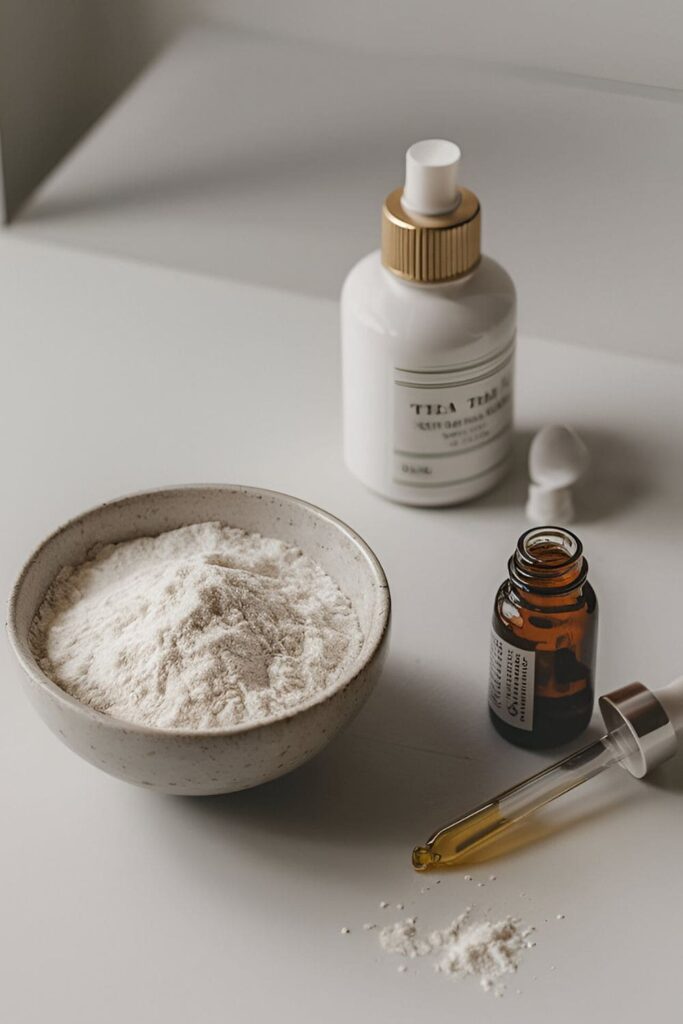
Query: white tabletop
122,905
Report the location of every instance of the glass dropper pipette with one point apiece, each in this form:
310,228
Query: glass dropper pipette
641,733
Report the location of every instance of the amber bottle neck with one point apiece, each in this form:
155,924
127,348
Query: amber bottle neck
548,562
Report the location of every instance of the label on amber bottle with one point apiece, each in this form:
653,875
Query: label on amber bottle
511,683
452,424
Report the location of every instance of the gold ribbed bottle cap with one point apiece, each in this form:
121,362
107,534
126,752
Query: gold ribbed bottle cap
431,249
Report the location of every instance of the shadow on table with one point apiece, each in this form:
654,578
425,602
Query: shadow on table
668,776
366,788
364,794
618,476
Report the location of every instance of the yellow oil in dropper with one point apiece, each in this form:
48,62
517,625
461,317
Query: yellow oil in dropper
457,841
454,842
644,728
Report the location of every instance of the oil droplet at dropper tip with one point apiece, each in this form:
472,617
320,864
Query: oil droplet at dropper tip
423,858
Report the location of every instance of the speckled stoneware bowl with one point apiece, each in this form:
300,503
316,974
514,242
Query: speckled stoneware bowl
195,762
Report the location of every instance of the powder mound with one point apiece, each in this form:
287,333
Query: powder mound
202,627
488,950
402,938
485,949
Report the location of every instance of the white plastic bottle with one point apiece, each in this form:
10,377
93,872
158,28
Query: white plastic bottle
428,341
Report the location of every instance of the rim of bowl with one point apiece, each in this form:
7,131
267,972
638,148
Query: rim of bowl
32,668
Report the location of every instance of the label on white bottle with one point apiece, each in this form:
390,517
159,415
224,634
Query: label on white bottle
511,683
452,424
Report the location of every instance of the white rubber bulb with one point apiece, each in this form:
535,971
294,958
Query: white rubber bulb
431,185
557,459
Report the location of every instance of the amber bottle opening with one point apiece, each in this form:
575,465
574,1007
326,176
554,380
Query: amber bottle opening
548,561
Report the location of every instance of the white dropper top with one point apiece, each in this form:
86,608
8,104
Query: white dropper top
431,185
558,458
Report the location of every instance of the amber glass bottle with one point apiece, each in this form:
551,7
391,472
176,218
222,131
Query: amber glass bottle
545,619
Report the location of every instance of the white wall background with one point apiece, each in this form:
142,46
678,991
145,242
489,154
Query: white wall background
261,147
625,40
63,61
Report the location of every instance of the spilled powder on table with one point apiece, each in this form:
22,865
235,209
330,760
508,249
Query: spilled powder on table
486,950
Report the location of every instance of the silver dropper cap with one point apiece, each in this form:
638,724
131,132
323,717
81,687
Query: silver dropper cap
635,712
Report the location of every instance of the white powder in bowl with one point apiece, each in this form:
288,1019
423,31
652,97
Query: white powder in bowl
203,627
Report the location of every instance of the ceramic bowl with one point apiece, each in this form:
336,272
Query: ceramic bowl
203,762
